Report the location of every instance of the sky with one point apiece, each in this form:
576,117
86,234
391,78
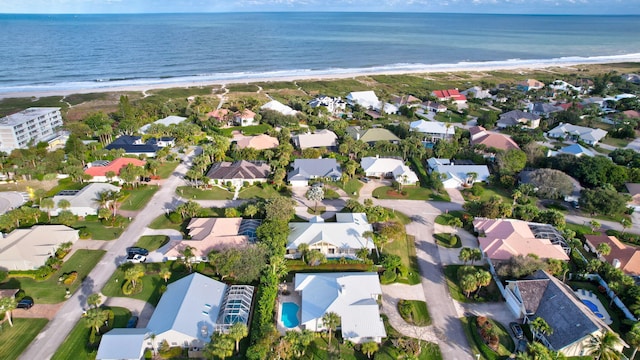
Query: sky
590,7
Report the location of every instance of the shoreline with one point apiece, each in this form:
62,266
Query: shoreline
282,76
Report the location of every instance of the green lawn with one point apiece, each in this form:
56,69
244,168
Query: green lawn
449,117
136,199
486,294
407,251
443,219
400,216
165,170
152,242
352,187
14,340
77,347
488,192
263,191
49,291
330,194
621,143
214,193
407,193
448,240
417,314
99,231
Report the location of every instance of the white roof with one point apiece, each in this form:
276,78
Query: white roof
87,196
187,306
404,174
585,133
459,172
387,165
366,99
431,127
350,295
26,115
276,105
321,138
346,233
433,162
169,120
27,249
122,344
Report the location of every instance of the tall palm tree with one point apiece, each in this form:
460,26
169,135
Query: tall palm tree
540,327
603,347
331,321
134,274
237,332
47,204
187,256
165,272
369,348
64,204
633,339
95,318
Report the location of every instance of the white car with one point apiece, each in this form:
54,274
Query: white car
136,258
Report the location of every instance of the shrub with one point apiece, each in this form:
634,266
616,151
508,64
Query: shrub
388,276
70,278
83,233
175,217
129,289
476,189
3,275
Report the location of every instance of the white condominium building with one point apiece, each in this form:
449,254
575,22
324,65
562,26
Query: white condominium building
28,127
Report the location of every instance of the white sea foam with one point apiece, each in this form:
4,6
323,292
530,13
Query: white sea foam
239,77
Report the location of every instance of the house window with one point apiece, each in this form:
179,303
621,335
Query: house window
331,251
174,344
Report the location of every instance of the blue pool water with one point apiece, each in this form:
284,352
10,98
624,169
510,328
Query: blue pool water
594,308
289,314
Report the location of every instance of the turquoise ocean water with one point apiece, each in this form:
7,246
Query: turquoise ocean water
49,52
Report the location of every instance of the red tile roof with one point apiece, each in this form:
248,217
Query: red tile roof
114,166
627,255
452,94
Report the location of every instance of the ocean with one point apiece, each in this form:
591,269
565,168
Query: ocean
50,52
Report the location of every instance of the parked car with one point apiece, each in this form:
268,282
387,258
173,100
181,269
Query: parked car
517,330
137,251
136,258
133,322
25,304
364,179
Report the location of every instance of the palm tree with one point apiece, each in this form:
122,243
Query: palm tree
237,332
331,321
250,211
47,204
94,300
483,278
303,249
540,327
604,346
465,254
95,318
220,346
633,339
603,249
369,348
8,304
471,178
187,257
165,272
64,204
134,274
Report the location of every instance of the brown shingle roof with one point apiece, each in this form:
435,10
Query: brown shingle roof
238,170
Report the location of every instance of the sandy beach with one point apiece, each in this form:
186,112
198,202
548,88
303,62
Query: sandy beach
225,79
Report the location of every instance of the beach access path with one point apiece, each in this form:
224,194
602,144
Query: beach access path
55,332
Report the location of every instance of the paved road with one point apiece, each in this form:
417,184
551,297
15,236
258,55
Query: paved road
446,324
50,338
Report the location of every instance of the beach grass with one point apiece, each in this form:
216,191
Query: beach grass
182,92
9,106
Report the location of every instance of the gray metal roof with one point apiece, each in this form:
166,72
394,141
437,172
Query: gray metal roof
305,169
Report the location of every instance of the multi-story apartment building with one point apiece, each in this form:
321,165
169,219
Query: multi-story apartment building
28,127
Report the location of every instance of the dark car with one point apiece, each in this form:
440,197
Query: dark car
137,251
133,322
25,304
364,179
517,330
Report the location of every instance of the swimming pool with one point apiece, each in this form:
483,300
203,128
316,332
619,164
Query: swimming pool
289,316
594,308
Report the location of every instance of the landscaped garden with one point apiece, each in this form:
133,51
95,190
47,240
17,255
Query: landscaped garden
406,250
51,290
488,337
477,293
78,343
14,340
414,312
448,240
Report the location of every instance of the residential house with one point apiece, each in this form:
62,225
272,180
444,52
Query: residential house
190,311
577,133
433,130
594,100
29,249
221,115
339,239
561,85
276,105
631,114
239,172
83,202
373,135
321,138
574,325
544,109
450,95
477,93
366,99
634,78
529,84
305,170
622,256
245,117
169,120
389,168
634,192
405,100
502,239
480,136
258,142
457,176
207,235
334,105
133,145
58,141
519,118
576,150
123,344
353,296
433,106
98,169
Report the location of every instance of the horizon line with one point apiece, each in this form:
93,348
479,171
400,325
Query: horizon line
318,11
